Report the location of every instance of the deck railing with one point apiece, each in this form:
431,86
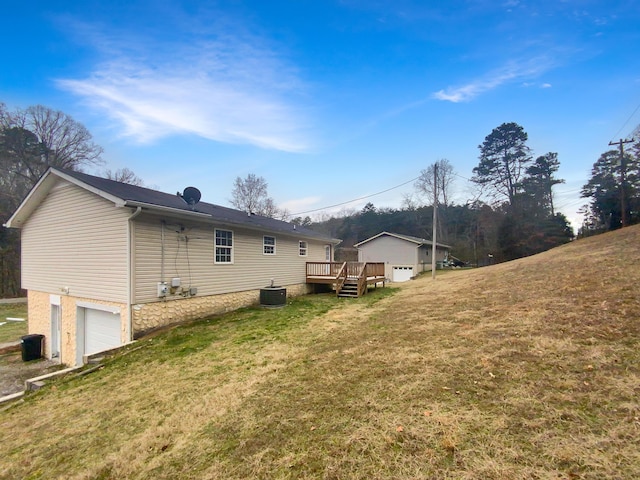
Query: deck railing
362,279
339,273
324,269
353,269
374,270
342,277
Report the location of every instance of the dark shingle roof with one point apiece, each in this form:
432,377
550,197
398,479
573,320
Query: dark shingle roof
136,194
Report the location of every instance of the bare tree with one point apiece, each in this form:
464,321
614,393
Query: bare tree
409,202
444,181
62,142
31,141
250,195
124,175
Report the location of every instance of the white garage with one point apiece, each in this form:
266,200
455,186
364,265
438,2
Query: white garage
404,256
402,274
99,329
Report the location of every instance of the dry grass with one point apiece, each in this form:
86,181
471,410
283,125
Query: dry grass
12,331
522,370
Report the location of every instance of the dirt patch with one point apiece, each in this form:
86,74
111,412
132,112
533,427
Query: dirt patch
14,372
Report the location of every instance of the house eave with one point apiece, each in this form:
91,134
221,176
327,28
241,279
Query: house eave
402,237
40,190
31,201
210,219
169,210
49,179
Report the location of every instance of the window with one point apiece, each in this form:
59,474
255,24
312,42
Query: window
268,245
303,248
224,246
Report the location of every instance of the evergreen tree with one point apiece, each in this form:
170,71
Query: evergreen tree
504,156
540,179
605,190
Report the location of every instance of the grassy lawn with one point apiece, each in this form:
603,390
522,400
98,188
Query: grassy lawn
523,370
12,331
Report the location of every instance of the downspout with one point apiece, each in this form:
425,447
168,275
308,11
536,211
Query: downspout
130,272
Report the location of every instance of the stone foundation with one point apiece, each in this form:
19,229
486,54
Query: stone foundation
39,311
150,316
145,317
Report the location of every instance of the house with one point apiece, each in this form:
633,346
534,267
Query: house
404,256
105,262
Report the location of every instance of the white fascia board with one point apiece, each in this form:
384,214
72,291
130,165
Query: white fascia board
168,210
31,201
372,238
40,191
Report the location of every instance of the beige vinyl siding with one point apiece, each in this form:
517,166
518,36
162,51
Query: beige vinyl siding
393,251
78,241
189,255
389,249
424,257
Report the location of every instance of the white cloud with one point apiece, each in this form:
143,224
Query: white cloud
511,72
226,89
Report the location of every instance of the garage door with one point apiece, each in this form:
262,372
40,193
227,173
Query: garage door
101,330
402,274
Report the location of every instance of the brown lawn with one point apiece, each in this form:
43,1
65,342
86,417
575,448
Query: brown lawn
523,370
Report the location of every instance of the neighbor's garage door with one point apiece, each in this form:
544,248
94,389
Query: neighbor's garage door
101,330
402,274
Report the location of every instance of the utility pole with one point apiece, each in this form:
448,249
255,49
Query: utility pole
434,250
623,181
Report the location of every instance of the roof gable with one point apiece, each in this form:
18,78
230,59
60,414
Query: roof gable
408,238
126,195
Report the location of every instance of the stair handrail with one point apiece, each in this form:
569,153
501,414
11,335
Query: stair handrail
362,279
341,278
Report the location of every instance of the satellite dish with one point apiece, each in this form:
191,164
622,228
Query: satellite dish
191,195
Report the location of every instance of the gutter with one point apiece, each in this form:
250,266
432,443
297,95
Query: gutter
211,219
150,206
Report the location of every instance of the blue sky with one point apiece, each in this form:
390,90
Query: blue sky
327,100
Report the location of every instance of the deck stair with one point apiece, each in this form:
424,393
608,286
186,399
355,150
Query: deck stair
349,279
349,289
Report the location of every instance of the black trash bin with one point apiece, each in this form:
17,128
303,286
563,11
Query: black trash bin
32,347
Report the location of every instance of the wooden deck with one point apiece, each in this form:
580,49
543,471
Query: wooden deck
350,279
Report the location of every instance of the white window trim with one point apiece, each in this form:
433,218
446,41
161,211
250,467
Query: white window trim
306,248
216,246
264,245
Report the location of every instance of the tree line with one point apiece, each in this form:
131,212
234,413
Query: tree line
511,216
513,213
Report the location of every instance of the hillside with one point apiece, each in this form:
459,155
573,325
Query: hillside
527,369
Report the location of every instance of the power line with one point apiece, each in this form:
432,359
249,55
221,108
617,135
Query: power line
625,123
464,178
573,203
356,199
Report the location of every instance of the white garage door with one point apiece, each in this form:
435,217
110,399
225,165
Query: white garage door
101,330
402,274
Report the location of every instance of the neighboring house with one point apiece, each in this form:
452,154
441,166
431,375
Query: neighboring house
104,261
404,256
